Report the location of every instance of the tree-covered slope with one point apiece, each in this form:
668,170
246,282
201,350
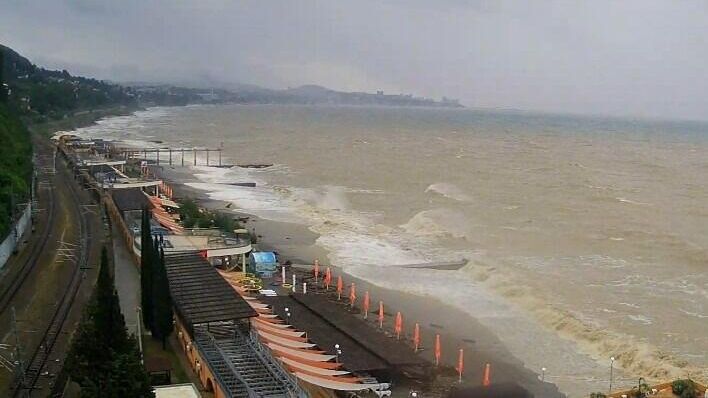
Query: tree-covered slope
15,166
40,94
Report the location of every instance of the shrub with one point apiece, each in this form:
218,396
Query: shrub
684,388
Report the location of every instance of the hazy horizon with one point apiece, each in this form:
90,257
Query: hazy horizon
636,59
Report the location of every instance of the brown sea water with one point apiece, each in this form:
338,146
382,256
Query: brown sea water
587,237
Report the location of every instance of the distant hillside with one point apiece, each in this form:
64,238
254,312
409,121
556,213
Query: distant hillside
41,94
318,95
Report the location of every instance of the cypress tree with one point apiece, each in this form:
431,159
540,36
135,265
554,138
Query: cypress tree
162,302
128,377
102,353
109,320
146,271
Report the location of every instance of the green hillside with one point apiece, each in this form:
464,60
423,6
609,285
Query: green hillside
39,95
15,166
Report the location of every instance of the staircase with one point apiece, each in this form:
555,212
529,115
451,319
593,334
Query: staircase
238,367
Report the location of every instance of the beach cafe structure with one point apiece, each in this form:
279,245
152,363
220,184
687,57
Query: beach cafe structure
239,348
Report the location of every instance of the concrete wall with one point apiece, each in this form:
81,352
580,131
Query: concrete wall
15,235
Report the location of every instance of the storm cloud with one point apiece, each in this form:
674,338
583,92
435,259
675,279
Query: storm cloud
642,58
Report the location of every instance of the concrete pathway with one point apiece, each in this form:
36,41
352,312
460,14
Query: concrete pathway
127,278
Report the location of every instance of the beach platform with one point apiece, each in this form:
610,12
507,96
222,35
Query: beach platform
364,348
395,353
355,357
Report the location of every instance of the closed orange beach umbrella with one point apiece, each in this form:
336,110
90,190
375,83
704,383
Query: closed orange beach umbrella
381,314
438,349
352,295
460,364
398,327
317,270
328,278
340,287
366,304
487,380
416,337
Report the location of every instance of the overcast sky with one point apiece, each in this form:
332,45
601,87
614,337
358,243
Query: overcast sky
608,57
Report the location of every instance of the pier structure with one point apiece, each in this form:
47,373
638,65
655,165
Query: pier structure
169,154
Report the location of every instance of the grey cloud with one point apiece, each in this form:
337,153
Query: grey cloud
630,57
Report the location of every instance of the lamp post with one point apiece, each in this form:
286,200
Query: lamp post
612,364
338,352
413,394
287,314
543,375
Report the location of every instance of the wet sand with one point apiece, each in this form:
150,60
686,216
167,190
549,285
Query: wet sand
296,243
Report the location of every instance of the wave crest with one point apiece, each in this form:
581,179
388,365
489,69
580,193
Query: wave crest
450,191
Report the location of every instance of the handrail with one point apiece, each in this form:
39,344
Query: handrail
267,357
216,374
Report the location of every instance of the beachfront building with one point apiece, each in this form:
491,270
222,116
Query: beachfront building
213,327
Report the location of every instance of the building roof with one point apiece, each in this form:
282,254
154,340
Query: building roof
130,199
177,391
200,294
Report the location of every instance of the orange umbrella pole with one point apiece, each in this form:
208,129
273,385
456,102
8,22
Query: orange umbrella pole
352,295
460,364
340,287
366,304
487,380
399,325
437,350
416,337
328,278
381,314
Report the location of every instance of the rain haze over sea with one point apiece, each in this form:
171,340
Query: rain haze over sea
586,237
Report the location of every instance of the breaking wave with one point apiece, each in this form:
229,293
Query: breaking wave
437,223
449,191
597,341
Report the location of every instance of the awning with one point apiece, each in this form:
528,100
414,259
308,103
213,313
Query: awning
285,342
338,385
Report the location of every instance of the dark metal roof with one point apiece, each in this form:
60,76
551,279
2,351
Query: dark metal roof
130,199
200,294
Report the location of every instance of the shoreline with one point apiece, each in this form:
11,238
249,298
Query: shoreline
297,243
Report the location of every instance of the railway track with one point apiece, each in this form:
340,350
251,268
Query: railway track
7,295
40,355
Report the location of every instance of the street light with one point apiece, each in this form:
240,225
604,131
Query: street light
287,314
612,363
413,394
543,375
